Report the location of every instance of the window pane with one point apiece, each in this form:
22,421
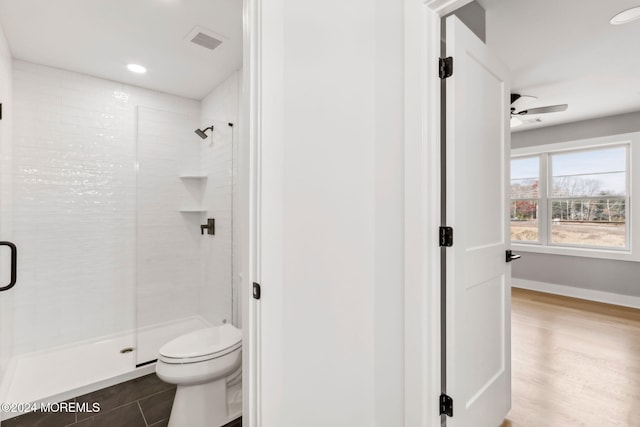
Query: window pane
589,173
525,177
589,222
524,220
526,188
606,184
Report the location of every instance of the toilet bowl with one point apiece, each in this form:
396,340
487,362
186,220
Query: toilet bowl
206,367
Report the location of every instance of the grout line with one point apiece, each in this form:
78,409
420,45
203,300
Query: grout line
107,411
146,397
142,412
154,394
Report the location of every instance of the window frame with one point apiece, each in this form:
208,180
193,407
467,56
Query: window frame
632,230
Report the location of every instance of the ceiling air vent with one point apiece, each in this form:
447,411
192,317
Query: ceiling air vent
205,37
205,40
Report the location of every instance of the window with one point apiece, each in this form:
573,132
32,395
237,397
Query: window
588,197
574,198
525,197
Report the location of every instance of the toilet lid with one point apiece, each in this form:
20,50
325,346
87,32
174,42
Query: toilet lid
203,342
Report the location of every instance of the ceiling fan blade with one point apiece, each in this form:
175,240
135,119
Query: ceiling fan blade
542,110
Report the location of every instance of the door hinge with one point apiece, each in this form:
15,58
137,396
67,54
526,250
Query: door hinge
446,405
257,291
446,67
446,236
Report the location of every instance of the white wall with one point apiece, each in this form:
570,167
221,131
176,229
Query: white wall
6,298
618,277
593,128
331,213
221,258
75,205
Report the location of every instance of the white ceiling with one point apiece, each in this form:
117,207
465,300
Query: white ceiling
99,37
559,51
566,52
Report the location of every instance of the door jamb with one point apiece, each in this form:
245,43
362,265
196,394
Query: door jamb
422,209
249,207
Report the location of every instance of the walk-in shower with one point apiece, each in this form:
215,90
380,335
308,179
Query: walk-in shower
104,188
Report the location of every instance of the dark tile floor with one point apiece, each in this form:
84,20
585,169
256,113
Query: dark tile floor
142,402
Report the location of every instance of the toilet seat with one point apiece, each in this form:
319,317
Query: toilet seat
201,345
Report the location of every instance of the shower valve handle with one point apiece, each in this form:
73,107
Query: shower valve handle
210,226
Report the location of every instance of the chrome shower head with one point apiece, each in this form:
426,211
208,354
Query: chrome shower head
202,132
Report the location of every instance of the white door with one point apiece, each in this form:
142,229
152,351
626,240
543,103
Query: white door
478,294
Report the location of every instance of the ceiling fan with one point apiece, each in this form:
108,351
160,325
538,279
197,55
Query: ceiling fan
517,121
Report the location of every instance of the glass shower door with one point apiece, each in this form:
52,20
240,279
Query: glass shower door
68,203
184,271
8,261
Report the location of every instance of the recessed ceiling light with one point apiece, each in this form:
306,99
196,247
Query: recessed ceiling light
626,16
135,68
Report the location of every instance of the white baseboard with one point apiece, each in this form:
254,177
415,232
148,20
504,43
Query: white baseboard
570,291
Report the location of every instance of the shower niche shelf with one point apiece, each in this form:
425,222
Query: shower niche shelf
193,176
195,181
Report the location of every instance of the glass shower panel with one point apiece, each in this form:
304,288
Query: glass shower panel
217,162
170,215
184,273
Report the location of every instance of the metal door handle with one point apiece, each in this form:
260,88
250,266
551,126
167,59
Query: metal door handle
14,265
511,256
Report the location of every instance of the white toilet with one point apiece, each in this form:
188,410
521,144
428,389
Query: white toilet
206,365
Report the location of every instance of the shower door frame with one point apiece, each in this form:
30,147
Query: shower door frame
6,234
